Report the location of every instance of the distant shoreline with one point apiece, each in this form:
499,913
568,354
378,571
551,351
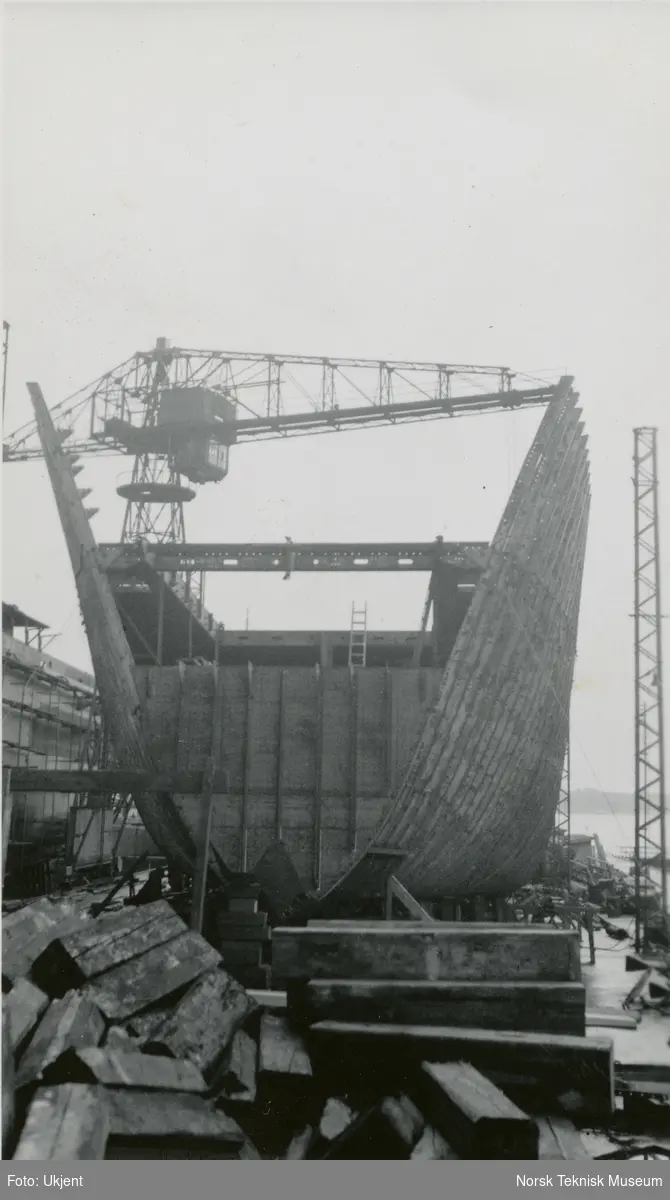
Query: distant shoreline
588,800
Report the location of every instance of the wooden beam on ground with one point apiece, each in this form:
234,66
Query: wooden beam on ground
68,1123
506,953
73,1022
129,1069
141,982
530,1007
150,1125
201,1026
565,1073
80,956
479,1120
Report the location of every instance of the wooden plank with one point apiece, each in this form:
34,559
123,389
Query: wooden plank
416,911
169,1124
163,970
559,1140
405,1118
276,1001
129,1068
24,1005
479,1120
70,1023
82,955
523,953
201,1026
604,1018
572,1072
66,1123
533,1007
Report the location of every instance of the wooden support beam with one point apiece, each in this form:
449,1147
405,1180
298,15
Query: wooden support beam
353,761
318,782
207,805
128,621
7,807
411,906
279,809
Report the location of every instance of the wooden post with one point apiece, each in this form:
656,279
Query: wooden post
390,744
280,759
246,769
202,849
353,775
318,786
7,806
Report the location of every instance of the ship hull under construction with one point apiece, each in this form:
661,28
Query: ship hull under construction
456,768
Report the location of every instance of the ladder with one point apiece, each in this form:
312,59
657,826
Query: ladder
358,637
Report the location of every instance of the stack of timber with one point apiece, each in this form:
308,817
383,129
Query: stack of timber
127,1037
119,1036
242,933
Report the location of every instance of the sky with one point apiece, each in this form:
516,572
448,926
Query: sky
484,183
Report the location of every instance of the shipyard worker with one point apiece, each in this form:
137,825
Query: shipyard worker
289,558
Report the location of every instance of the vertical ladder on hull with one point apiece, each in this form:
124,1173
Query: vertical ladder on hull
358,636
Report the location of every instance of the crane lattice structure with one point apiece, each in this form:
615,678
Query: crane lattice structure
650,824
226,398
561,835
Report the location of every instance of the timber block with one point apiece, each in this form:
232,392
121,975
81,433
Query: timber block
434,952
65,1124
203,1023
178,1125
567,1074
534,1007
559,1139
108,942
24,1005
142,982
72,1023
35,928
126,1068
477,1118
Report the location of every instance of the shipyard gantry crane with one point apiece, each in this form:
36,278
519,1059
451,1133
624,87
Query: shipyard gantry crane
179,412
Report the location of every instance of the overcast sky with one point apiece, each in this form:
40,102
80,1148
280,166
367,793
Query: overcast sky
457,182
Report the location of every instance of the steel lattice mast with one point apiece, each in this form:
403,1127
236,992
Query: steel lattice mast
650,825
